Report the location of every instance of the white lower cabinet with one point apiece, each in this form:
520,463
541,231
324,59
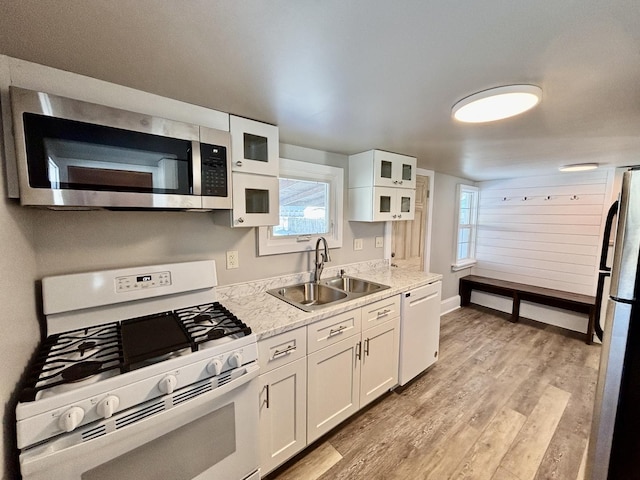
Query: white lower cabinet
347,375
333,385
352,359
283,406
380,346
283,397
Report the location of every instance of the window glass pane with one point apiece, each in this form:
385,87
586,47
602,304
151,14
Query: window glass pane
465,234
304,207
463,251
465,199
465,216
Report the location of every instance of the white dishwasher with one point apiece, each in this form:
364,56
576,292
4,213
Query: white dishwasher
419,330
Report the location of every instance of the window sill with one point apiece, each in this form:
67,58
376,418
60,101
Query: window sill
462,265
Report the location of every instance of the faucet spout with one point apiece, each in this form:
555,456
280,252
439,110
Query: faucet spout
320,259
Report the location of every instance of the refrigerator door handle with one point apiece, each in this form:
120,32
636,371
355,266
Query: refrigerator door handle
606,238
627,245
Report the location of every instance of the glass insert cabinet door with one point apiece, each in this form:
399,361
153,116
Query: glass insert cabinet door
254,146
255,200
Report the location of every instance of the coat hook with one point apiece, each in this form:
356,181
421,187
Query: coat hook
524,199
574,197
504,199
548,197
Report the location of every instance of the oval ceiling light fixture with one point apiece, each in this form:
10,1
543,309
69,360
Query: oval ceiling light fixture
497,103
578,167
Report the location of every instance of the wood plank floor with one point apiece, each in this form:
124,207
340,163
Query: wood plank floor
504,402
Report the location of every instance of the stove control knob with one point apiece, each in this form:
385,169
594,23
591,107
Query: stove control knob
70,419
168,384
235,360
215,366
108,406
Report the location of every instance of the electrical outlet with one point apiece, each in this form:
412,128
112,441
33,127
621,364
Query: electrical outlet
357,244
232,259
379,242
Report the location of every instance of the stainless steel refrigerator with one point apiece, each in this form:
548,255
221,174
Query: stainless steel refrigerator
614,445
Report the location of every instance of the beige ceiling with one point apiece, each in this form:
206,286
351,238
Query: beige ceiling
350,75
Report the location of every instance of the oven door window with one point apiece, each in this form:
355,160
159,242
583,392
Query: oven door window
167,457
70,155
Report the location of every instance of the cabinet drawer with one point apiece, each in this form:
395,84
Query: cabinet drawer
331,330
279,350
380,311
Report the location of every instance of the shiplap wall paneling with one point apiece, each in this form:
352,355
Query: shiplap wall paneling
543,231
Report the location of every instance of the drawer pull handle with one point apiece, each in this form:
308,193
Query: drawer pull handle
286,351
336,331
384,312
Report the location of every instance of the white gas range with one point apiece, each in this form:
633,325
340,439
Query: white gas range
139,365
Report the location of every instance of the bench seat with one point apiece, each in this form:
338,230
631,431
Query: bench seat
574,302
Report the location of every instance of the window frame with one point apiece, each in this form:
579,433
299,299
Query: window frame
269,244
471,260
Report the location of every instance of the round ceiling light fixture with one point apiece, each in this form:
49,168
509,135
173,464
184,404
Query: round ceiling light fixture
578,167
497,103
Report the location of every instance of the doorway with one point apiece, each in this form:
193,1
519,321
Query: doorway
408,238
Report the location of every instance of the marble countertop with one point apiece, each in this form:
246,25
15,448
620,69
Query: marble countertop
268,315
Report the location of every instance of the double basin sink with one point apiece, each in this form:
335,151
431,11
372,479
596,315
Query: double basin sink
311,296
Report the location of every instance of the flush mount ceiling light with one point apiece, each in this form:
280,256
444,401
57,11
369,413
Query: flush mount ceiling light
578,167
497,103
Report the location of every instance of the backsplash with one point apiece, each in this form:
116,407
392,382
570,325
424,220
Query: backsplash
226,292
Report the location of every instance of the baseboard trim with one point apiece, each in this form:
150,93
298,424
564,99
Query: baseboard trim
449,304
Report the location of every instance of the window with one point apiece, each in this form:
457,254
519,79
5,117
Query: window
466,226
311,198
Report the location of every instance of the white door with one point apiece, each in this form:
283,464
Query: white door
283,408
254,146
256,200
379,360
333,390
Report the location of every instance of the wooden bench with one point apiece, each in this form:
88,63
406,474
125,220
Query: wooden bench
519,291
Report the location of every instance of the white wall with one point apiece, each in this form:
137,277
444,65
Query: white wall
544,231
443,232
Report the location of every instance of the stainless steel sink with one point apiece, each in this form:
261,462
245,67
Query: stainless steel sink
354,285
312,296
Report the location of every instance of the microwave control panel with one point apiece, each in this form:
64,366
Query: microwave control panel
139,282
214,170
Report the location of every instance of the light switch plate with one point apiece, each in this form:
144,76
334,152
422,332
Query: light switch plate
357,244
379,242
232,259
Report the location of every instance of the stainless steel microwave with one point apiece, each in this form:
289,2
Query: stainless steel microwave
75,154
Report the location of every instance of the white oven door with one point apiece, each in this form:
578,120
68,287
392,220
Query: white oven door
211,436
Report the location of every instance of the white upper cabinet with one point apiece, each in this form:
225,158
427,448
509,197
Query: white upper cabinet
254,147
382,169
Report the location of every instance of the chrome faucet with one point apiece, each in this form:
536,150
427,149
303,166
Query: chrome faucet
320,259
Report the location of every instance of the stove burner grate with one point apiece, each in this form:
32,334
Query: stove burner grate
74,356
211,321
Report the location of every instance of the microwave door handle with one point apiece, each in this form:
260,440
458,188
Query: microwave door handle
606,237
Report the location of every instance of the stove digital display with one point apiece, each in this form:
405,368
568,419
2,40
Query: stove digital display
144,278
